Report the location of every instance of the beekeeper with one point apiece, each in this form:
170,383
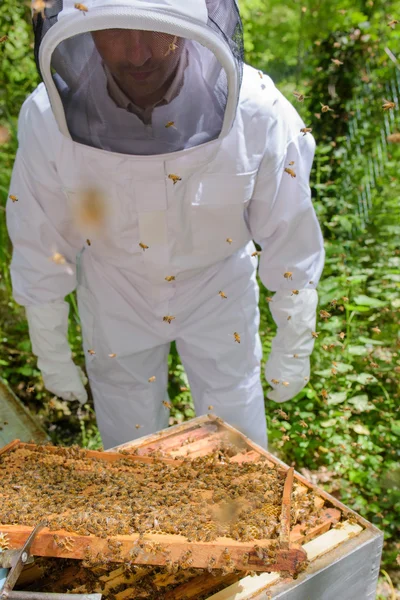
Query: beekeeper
149,160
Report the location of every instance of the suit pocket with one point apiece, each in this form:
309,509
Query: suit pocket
218,212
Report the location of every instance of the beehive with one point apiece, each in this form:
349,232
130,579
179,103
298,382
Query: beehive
344,556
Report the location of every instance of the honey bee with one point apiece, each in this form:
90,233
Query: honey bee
275,381
13,198
295,356
113,355
138,426
210,407
315,334
81,7
184,389
174,178
288,318
325,108
30,389
388,104
393,138
295,292
168,318
211,564
237,337
170,278
229,240
152,378
260,74
143,246
269,299
58,258
167,404
324,314
92,352
170,124
342,335
376,330
299,97
290,172
282,413
257,253
285,383
89,243
291,163
39,6
222,294
288,275
3,39
285,438
324,394
337,62
172,46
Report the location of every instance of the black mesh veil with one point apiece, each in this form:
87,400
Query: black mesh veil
129,87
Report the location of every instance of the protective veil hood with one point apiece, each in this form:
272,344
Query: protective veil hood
141,77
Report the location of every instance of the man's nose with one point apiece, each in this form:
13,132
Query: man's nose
138,50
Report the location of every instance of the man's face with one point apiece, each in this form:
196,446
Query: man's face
142,62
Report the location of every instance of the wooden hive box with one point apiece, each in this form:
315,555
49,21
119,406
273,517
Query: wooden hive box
344,562
344,557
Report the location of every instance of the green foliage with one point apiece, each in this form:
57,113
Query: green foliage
344,427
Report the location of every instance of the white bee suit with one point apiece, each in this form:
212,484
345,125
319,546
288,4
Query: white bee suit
197,229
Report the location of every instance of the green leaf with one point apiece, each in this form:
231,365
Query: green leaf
357,308
363,300
328,423
366,340
360,429
26,371
395,427
337,398
360,402
343,367
363,378
357,350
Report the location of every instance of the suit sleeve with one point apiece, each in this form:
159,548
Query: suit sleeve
39,224
283,222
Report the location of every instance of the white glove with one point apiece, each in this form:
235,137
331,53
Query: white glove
65,380
293,337
48,330
291,373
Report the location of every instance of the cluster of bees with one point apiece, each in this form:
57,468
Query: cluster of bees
202,499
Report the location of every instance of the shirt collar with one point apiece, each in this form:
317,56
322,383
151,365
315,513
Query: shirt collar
122,100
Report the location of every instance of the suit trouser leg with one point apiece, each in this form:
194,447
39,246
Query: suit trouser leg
127,405
224,375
